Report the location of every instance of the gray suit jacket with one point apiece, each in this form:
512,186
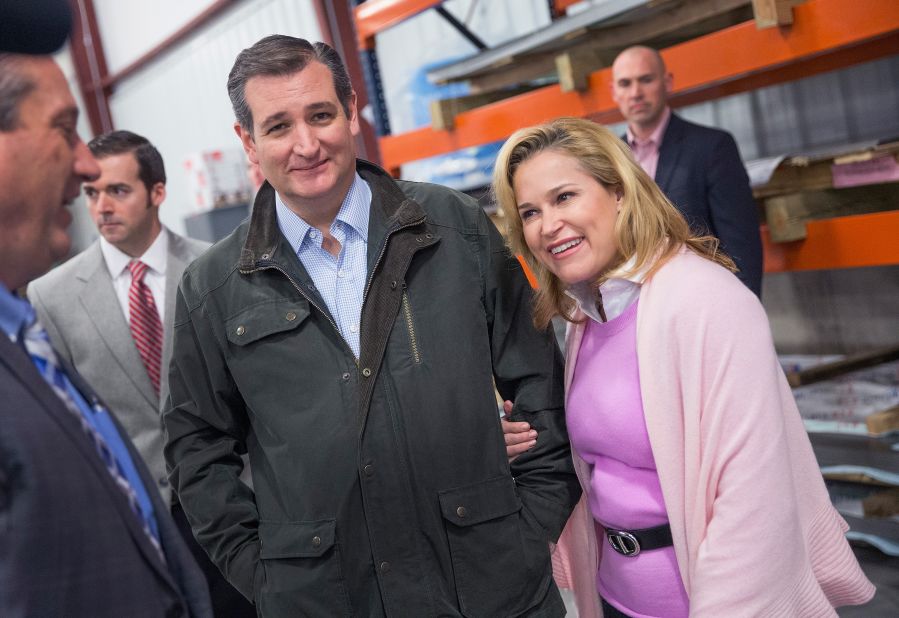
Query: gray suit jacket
69,542
77,304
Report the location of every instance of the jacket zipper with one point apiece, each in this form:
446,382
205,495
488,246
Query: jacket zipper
407,311
371,276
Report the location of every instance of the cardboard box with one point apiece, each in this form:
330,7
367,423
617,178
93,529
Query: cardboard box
218,178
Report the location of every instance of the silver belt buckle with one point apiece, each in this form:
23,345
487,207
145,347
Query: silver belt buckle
623,542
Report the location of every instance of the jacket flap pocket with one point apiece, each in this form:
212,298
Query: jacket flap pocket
264,319
301,539
474,504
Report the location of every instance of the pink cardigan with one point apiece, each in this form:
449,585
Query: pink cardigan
754,530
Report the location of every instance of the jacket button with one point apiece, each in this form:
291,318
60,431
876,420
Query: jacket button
366,372
368,470
462,512
345,377
291,316
265,256
384,566
241,330
393,285
418,239
316,541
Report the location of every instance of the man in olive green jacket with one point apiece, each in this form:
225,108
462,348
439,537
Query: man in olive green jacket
381,483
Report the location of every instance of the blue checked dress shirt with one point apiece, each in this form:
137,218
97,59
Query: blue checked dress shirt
340,281
18,321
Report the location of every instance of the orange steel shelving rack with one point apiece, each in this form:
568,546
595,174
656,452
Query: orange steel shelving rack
825,35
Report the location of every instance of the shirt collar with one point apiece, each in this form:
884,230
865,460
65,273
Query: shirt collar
155,256
617,292
656,136
16,314
354,212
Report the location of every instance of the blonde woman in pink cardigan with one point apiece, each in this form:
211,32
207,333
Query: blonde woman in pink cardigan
702,496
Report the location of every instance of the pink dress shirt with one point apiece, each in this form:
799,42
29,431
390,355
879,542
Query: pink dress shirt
646,151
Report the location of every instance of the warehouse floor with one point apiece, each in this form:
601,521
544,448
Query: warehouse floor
883,571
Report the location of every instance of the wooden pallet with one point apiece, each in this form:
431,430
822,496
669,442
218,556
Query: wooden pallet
571,48
804,189
841,367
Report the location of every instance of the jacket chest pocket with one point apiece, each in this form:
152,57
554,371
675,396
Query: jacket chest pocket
301,570
262,350
260,321
500,556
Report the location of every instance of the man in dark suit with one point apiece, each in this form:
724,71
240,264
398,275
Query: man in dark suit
698,168
84,532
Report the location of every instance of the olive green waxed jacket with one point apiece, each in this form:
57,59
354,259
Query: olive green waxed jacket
380,484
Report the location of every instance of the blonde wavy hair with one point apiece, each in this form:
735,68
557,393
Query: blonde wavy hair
648,227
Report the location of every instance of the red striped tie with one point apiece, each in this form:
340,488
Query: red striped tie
146,329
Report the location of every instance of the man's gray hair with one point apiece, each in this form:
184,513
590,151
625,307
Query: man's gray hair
15,85
279,55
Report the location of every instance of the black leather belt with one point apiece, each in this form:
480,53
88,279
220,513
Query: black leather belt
632,542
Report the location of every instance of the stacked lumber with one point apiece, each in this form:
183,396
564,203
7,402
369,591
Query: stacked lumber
857,394
861,471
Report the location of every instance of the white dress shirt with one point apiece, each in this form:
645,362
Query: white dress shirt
618,292
155,257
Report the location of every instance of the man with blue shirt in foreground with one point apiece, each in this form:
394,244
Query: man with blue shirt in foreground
84,530
348,337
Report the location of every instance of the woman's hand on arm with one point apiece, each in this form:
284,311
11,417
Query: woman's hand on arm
519,436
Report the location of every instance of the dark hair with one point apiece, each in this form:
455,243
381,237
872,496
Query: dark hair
150,167
281,55
15,85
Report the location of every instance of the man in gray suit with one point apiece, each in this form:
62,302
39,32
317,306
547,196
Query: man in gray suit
84,532
87,307
84,303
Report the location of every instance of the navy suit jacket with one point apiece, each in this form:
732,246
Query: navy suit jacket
69,542
700,171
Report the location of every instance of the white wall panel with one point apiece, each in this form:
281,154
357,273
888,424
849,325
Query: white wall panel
180,102
130,29
82,230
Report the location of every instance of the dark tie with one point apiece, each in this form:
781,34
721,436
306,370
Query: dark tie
37,344
146,329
